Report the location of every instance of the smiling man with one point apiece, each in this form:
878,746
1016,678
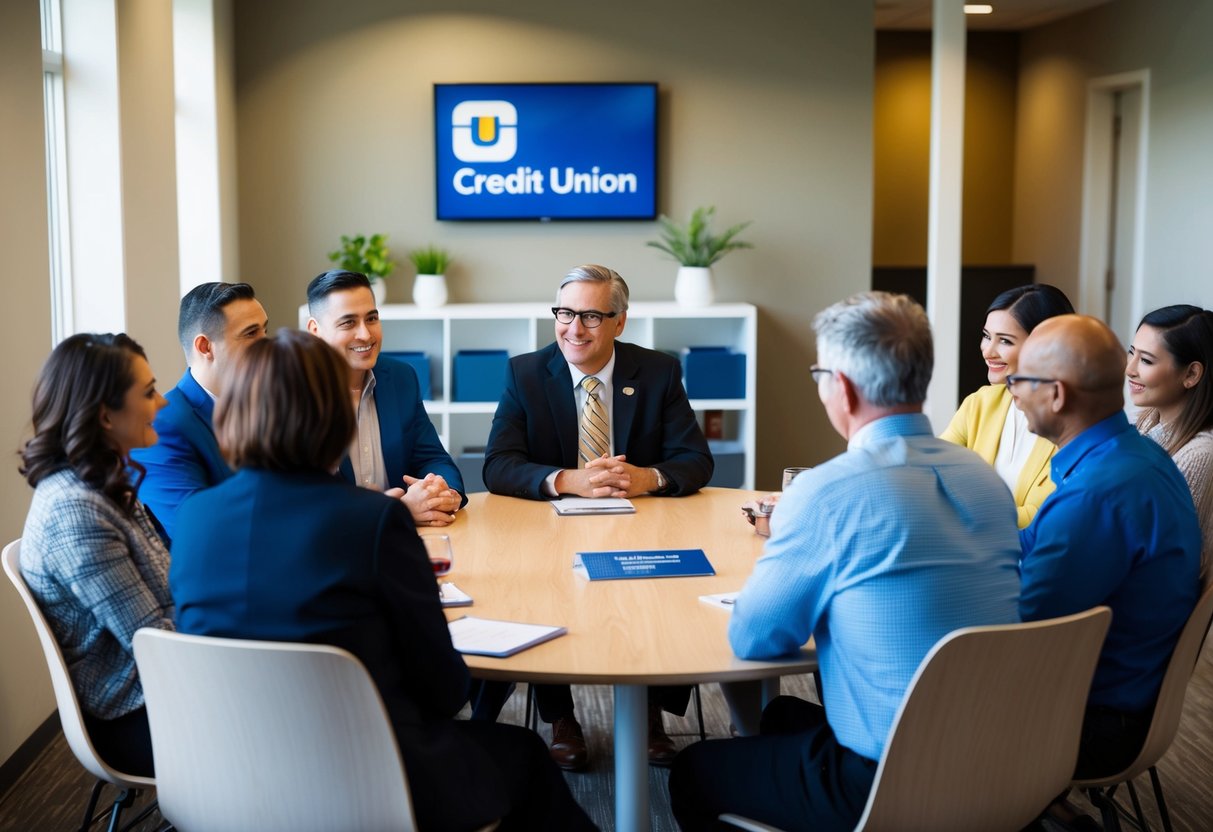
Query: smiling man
594,417
396,449
215,322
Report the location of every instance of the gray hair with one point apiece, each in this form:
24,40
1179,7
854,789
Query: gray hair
599,274
882,343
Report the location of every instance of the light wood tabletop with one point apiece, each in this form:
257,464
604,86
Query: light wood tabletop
515,558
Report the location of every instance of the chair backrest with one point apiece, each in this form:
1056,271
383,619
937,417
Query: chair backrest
1164,725
987,733
260,735
70,714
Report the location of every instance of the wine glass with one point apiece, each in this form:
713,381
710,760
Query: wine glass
438,547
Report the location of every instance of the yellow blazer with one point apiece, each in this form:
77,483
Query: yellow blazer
978,426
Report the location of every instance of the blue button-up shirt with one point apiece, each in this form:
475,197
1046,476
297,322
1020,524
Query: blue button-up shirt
878,554
1119,530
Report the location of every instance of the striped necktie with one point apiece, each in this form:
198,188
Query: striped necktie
593,438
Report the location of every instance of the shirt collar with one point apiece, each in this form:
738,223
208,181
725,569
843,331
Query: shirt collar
604,375
899,424
1066,459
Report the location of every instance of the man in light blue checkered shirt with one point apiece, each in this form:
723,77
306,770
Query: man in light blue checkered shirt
876,554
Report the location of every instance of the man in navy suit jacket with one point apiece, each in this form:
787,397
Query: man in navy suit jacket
535,451
396,450
214,322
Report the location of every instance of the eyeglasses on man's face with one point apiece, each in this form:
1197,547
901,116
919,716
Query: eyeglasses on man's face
590,318
1035,381
818,373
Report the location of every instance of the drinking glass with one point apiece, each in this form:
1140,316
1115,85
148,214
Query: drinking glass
438,547
790,474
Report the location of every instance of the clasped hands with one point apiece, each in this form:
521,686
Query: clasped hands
607,476
429,499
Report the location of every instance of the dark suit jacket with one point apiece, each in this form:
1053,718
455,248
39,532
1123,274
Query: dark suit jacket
535,428
308,558
186,458
410,443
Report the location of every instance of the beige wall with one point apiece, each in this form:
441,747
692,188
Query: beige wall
765,114
901,147
1171,39
25,691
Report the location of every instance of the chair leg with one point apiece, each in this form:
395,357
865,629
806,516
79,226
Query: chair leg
1109,814
124,800
143,815
92,806
1141,817
531,717
703,734
1158,798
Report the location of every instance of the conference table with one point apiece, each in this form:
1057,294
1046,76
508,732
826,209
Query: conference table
515,558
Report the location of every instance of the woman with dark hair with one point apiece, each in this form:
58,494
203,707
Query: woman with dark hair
89,552
986,421
286,550
1168,370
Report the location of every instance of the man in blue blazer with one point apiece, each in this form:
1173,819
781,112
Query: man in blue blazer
594,417
214,322
396,450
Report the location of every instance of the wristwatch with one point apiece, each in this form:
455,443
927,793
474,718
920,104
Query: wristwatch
661,481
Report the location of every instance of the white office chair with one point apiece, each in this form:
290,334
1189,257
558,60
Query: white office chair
1163,725
987,733
261,735
70,715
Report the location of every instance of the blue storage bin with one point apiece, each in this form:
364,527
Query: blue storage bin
479,375
420,362
729,456
713,373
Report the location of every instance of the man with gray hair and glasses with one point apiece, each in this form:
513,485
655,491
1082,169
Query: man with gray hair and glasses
595,417
877,554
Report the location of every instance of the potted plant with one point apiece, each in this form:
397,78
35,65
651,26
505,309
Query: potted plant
696,248
429,290
368,256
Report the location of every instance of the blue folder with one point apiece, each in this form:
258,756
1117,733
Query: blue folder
657,563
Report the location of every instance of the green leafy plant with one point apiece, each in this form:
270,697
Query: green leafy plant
368,255
694,244
430,260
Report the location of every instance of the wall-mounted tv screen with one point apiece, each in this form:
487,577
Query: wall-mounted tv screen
546,151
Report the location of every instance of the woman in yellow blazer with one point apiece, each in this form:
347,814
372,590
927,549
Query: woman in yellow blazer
986,422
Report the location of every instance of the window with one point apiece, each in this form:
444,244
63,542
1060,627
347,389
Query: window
56,170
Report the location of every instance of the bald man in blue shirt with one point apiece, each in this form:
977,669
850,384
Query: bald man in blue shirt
1120,529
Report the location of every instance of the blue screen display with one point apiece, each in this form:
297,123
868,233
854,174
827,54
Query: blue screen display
546,151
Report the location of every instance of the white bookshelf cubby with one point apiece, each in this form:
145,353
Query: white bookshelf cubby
523,327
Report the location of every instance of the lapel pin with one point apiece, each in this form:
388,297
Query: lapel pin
627,391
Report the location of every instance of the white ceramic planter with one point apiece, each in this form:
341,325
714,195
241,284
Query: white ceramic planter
693,287
379,289
429,290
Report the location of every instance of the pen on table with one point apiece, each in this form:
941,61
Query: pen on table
728,600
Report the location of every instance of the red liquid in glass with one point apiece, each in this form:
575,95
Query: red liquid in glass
441,565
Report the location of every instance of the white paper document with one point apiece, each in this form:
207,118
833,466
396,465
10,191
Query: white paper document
486,637
721,600
453,596
593,505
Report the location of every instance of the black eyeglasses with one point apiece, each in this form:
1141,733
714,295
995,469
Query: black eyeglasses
1011,381
590,318
818,373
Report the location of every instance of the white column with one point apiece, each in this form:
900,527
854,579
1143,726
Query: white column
94,162
198,174
944,223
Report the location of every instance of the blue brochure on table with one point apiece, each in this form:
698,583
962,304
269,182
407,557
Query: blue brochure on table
657,563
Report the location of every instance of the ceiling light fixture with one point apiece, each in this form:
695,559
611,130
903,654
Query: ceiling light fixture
978,8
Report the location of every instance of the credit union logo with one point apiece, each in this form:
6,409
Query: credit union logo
484,131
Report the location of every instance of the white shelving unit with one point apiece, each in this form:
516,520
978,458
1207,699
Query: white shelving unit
523,327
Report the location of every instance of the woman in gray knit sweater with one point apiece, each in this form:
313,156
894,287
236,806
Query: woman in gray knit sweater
1169,378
